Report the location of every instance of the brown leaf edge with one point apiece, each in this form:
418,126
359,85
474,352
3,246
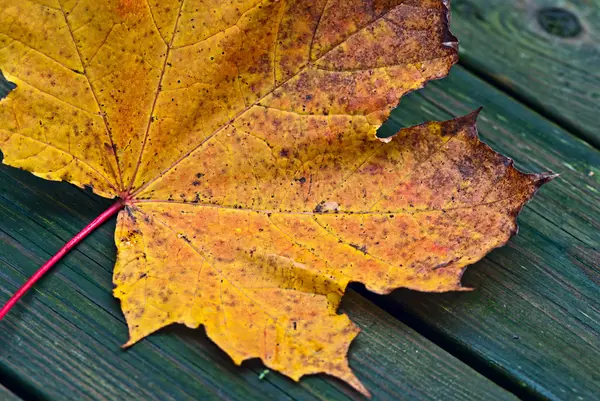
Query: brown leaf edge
469,122
449,40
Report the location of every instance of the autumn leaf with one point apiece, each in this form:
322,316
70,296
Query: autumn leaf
239,137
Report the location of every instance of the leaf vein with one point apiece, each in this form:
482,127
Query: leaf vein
107,130
158,91
220,129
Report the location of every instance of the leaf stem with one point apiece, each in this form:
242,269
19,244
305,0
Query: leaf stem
87,230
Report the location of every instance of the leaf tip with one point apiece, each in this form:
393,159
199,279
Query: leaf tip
471,118
544,178
129,343
354,382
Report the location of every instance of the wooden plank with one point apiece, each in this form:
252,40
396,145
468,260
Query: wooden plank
7,395
543,51
63,341
534,316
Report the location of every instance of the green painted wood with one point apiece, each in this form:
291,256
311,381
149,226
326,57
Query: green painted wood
7,395
534,317
545,52
62,342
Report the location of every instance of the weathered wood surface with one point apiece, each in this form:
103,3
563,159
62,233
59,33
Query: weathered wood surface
546,52
63,341
7,395
534,315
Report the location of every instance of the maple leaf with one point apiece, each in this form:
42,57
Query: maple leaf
239,137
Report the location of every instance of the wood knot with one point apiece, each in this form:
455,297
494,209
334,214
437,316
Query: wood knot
559,22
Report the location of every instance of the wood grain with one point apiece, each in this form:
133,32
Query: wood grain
531,49
534,316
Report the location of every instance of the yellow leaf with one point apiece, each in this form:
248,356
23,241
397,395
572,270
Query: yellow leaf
257,235
241,137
